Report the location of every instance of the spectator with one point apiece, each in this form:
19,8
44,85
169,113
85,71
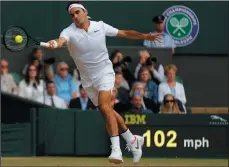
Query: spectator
76,77
156,70
36,59
121,64
143,56
8,83
116,57
120,81
50,98
137,107
166,42
170,105
66,87
123,93
140,87
31,87
82,102
151,86
116,104
171,86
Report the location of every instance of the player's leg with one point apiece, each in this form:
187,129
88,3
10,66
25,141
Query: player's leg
104,100
134,142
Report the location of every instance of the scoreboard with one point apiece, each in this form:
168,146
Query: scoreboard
181,135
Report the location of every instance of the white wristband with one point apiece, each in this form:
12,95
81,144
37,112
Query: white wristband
55,45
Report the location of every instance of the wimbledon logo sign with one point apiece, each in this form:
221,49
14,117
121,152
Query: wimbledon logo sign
182,24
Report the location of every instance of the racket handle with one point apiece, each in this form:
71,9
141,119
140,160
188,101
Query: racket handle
44,44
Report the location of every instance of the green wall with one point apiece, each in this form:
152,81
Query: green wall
46,20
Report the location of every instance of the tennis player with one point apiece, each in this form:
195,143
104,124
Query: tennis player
86,42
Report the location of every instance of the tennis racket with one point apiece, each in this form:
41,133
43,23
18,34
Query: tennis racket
10,42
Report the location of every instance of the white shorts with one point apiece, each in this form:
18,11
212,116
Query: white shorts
104,83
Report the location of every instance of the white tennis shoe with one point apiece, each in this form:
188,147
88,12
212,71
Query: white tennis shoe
116,156
136,148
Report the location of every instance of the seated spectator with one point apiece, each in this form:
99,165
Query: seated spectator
50,97
143,56
171,86
116,104
36,59
121,64
120,81
76,77
8,83
166,42
151,86
156,70
116,57
123,93
139,87
136,104
170,105
82,102
31,87
66,87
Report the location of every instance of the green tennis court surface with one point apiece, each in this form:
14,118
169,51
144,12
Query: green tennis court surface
76,161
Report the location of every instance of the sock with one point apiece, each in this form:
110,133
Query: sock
128,136
115,141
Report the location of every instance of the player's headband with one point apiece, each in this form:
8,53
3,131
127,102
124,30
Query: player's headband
77,6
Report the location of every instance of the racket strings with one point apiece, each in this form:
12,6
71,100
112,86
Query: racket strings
9,39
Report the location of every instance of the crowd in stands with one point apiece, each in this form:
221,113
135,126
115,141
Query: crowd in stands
151,88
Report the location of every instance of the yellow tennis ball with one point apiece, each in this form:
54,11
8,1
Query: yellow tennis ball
18,39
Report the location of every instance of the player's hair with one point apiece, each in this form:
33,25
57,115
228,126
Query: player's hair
72,2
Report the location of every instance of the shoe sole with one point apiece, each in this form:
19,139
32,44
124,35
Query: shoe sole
115,161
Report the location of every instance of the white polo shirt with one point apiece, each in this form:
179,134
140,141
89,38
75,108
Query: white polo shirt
89,51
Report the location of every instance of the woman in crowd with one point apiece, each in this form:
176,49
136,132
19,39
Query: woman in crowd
31,87
151,86
140,87
169,105
36,59
172,87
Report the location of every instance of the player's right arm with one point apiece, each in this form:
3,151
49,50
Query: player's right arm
57,43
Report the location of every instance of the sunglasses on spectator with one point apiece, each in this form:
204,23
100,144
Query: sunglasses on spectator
4,66
64,69
169,101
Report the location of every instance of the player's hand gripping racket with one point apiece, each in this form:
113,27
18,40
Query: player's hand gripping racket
16,39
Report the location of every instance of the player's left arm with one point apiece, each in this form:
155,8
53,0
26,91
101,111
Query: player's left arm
131,34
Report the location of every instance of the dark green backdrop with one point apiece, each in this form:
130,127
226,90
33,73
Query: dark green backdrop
46,20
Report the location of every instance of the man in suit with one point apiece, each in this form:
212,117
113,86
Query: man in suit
51,99
82,102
